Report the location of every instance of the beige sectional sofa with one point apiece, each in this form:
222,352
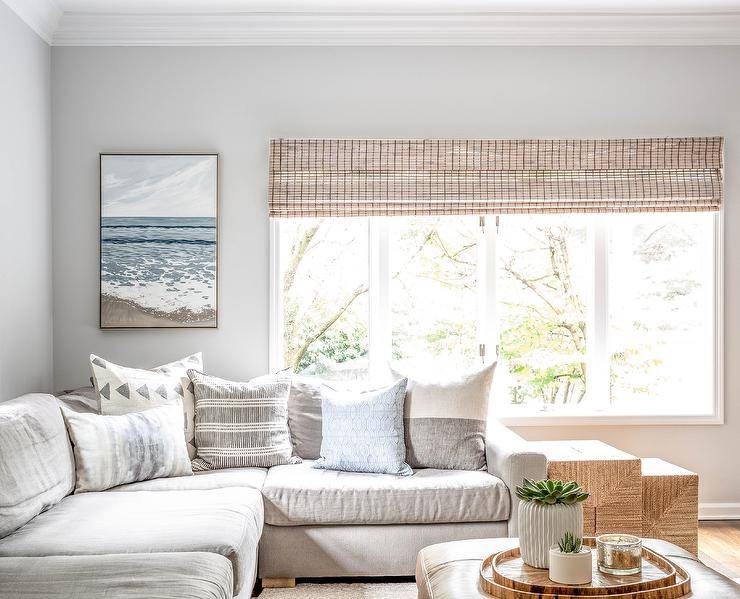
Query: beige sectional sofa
210,535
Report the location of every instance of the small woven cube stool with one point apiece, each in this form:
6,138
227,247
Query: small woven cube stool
612,478
670,503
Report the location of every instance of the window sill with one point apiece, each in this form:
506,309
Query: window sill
540,419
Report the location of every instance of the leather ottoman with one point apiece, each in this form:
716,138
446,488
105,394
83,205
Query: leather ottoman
450,570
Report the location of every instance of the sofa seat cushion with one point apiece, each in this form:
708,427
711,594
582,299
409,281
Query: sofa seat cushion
252,478
124,576
299,494
226,521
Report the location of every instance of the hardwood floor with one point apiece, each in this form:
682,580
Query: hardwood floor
719,546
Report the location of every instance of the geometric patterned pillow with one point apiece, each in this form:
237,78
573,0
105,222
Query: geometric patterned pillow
123,390
364,432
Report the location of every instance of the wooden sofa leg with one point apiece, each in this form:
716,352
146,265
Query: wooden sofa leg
278,583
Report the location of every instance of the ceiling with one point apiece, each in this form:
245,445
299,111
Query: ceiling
382,22
220,6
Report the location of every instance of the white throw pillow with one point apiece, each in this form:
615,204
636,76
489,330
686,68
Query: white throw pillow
115,450
123,390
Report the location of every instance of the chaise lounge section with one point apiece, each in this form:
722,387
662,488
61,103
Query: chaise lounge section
81,530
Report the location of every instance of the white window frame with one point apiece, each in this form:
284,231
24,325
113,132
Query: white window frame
380,313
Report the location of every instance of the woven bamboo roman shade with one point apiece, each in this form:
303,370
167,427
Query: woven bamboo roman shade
379,177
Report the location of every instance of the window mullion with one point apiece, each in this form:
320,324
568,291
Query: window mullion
379,296
275,355
597,328
487,316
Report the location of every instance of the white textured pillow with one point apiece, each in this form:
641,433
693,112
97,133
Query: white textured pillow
115,450
123,390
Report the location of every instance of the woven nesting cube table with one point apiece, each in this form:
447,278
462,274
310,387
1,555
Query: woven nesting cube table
644,497
670,502
612,478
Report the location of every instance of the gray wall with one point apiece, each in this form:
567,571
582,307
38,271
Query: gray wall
25,206
233,100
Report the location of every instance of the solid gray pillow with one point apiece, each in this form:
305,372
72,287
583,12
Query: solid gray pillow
304,410
114,450
364,432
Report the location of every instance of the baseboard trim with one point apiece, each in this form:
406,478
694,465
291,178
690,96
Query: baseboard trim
719,511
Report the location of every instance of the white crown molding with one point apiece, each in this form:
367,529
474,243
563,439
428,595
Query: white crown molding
399,29
433,23
40,15
719,511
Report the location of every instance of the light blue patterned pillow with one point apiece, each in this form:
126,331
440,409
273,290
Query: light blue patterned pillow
364,433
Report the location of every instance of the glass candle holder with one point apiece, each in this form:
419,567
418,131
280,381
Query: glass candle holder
619,554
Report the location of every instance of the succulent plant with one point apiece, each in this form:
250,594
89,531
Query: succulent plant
570,543
550,492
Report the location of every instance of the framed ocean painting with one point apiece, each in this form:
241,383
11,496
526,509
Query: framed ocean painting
158,241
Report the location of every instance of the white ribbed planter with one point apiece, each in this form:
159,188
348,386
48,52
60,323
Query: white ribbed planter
542,526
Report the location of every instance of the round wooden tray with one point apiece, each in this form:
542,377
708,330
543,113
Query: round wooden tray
505,576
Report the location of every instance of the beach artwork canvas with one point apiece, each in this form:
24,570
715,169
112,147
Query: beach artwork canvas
158,240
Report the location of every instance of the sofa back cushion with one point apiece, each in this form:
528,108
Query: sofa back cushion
84,399
36,464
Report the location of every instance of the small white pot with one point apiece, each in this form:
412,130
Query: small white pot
571,568
542,526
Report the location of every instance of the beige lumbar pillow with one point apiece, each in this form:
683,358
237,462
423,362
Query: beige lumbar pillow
445,420
115,450
123,390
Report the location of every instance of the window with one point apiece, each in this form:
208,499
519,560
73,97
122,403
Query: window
607,318
543,286
434,291
324,279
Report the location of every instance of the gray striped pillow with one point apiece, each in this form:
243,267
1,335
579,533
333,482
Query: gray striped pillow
240,425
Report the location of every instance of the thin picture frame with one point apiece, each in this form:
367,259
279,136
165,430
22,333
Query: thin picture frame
217,271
